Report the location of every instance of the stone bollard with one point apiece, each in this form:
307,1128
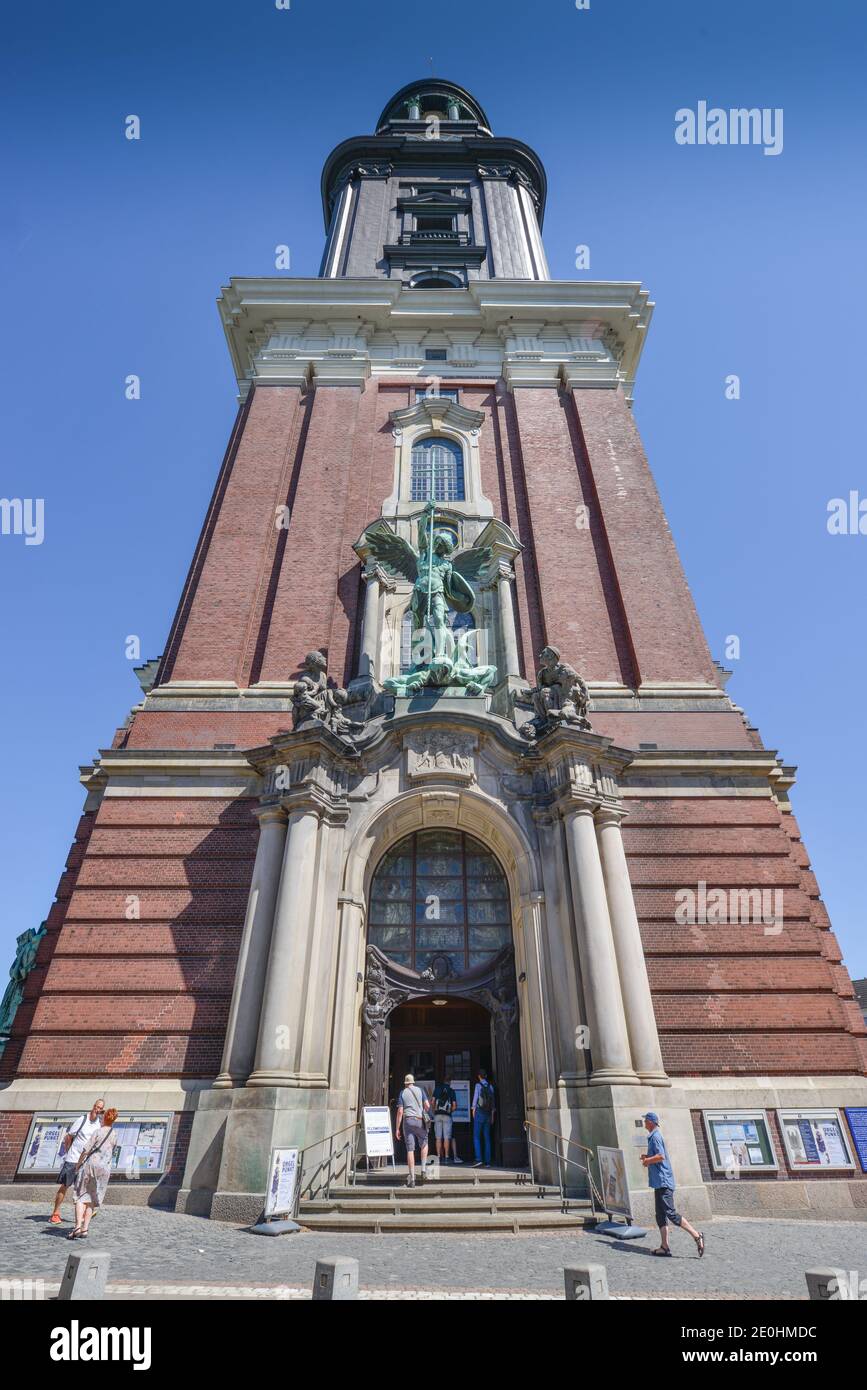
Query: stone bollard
827,1284
336,1278
585,1283
85,1276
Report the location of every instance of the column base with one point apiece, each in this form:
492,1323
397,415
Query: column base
609,1076
226,1081
654,1078
298,1079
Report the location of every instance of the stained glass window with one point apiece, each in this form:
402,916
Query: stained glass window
439,892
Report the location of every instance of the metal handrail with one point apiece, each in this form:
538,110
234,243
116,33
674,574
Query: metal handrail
562,1159
327,1162
554,1135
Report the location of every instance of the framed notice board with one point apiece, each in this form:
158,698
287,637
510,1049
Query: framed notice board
815,1139
140,1144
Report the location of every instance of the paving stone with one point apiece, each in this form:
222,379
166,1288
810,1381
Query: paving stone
745,1258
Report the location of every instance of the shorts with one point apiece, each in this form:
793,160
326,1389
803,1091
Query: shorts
443,1126
665,1212
66,1176
414,1133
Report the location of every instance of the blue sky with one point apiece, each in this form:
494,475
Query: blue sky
113,253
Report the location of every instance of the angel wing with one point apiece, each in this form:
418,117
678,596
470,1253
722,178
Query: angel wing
395,554
470,563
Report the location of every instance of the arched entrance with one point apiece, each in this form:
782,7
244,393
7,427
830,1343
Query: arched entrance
440,989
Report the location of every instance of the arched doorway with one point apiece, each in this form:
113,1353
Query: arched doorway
440,990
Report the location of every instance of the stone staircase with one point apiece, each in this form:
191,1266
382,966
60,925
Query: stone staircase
458,1199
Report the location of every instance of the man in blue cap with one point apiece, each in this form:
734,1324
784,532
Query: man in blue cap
661,1179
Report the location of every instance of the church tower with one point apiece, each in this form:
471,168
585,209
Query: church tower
436,771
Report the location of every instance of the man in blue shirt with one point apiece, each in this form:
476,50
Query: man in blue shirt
661,1179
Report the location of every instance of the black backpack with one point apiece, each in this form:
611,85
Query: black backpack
444,1100
486,1097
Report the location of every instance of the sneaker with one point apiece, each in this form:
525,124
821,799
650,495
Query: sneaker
480,1164
54,1219
410,1182
457,1160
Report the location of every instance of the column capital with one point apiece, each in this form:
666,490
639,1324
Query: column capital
573,804
609,815
270,811
374,573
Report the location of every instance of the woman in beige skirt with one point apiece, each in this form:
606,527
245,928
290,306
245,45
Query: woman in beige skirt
92,1175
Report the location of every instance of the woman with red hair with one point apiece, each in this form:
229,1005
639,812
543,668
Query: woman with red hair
92,1174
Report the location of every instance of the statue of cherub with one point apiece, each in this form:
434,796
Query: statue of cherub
559,696
315,698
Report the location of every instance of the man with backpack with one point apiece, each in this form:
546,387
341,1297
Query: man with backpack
484,1110
445,1103
412,1113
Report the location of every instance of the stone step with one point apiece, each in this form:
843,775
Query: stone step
410,1201
370,1223
430,1191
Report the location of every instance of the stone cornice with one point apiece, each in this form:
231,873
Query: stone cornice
558,333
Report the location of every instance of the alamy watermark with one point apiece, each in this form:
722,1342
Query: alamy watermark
719,907
23,516
713,125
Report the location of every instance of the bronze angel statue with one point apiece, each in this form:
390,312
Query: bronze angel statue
441,581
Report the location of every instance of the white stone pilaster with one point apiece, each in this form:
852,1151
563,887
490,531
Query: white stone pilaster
278,1049
632,968
239,1051
609,1040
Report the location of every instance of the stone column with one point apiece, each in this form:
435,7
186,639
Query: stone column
239,1051
507,621
369,665
609,1041
634,984
279,1042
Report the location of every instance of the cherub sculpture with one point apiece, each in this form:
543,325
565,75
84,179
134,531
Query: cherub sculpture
559,697
441,581
315,699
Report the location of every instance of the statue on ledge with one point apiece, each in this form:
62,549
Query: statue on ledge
316,700
26,949
441,581
559,697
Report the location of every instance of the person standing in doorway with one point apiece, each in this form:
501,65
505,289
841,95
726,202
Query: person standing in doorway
484,1111
73,1146
445,1103
660,1175
412,1106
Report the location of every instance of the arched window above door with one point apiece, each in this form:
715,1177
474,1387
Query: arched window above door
439,892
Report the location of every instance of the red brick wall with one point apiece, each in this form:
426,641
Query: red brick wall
664,629
147,996
736,997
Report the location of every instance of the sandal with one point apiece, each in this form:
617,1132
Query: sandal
660,1251
73,1234
700,1244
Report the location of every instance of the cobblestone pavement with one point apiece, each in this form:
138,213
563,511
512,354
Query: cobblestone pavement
746,1258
